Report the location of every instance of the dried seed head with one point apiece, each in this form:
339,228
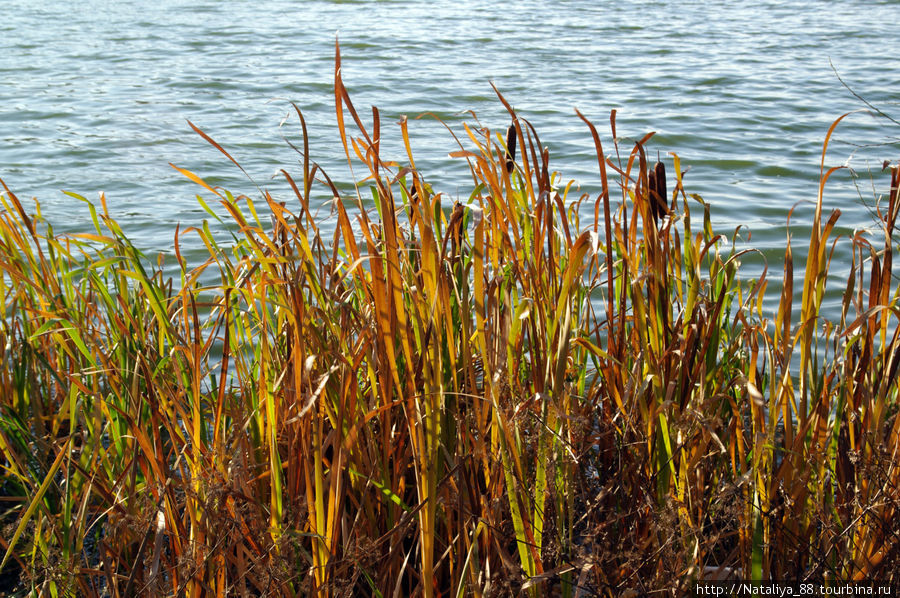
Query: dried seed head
660,170
660,206
510,148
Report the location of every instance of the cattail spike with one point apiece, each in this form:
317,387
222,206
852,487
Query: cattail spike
658,202
895,180
660,169
894,199
510,148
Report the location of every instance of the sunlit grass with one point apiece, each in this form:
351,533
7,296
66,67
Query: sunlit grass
527,391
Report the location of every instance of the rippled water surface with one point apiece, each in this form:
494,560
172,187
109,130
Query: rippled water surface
95,95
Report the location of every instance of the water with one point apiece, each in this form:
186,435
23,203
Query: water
95,95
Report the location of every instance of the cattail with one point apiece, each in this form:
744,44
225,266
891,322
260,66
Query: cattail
659,207
660,169
510,148
895,197
658,191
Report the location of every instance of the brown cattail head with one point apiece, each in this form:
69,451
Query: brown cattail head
894,199
659,207
510,148
660,169
895,183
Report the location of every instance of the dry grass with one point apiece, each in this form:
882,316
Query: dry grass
432,400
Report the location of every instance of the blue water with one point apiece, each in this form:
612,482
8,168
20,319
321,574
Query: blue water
95,96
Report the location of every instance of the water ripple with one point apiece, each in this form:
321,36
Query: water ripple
96,99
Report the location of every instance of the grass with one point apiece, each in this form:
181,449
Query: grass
529,392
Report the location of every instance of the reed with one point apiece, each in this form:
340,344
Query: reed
531,391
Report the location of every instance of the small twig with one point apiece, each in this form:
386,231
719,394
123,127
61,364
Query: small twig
859,97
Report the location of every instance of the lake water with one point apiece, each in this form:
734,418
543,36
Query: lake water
95,95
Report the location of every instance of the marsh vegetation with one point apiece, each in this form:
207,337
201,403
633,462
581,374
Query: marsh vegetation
528,391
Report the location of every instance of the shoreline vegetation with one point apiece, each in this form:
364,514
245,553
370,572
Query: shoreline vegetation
527,393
